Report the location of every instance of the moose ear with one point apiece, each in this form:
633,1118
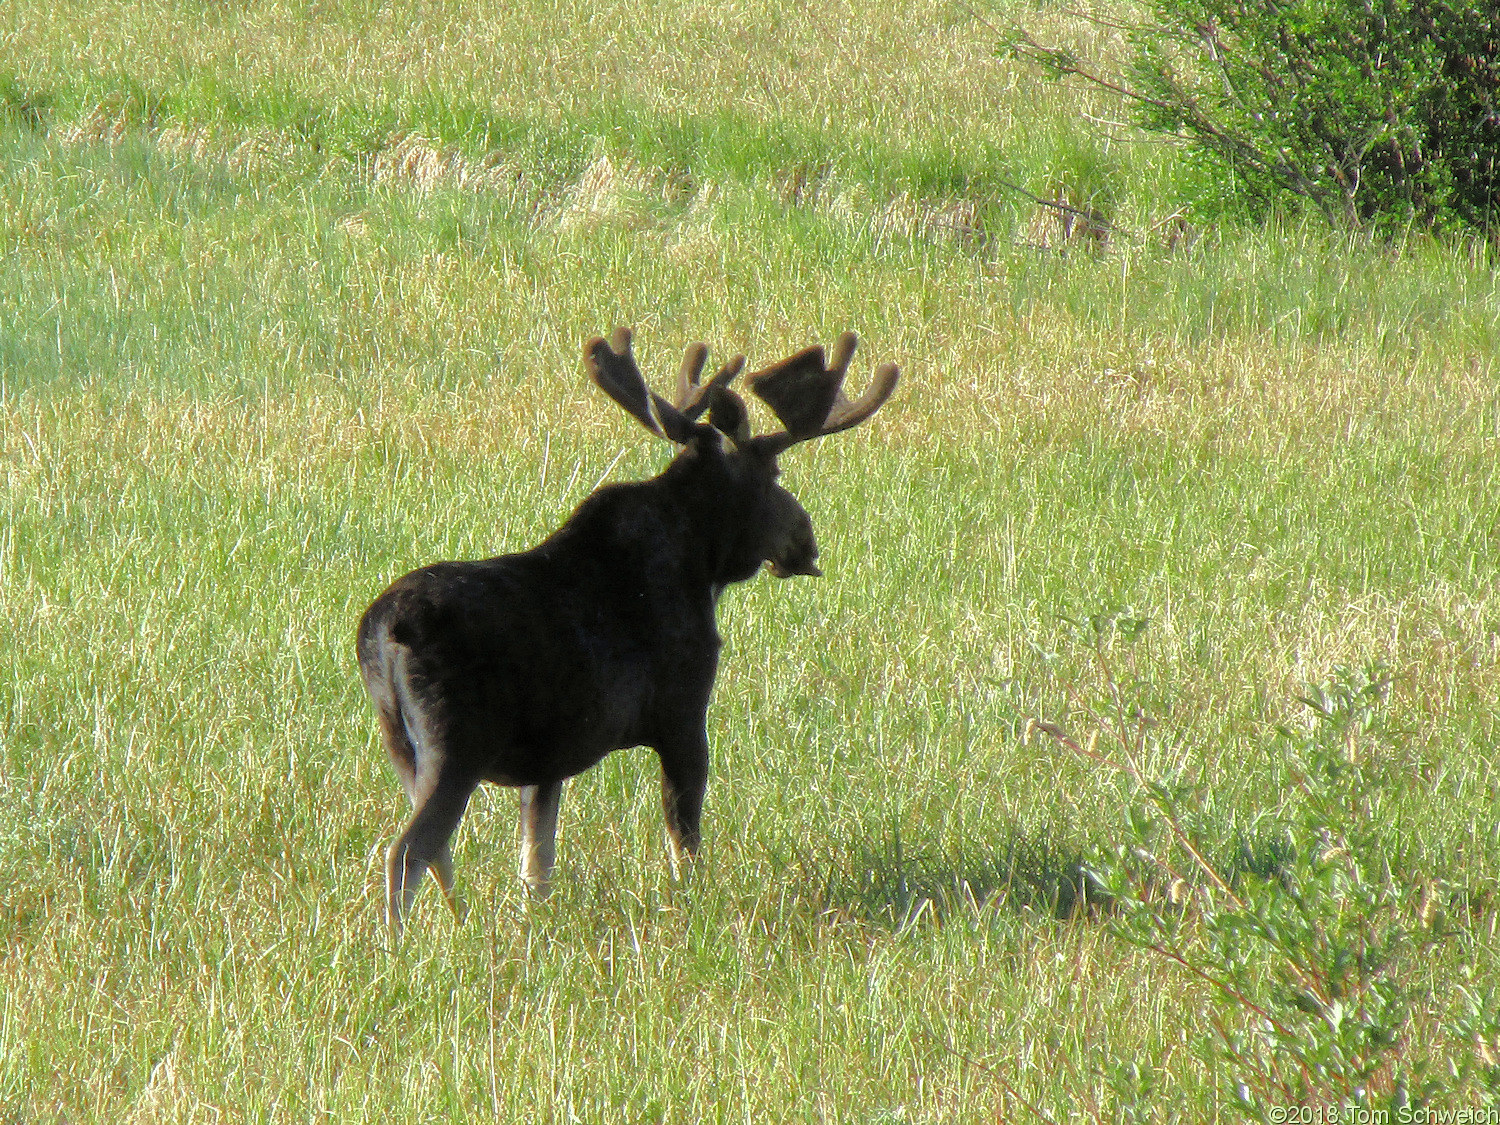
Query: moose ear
727,414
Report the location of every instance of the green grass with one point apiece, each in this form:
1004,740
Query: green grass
259,355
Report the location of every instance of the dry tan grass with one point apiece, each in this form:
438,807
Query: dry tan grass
615,191
411,160
244,151
608,190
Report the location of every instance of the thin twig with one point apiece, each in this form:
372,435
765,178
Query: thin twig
1090,217
1266,1075
1173,823
1222,986
1057,733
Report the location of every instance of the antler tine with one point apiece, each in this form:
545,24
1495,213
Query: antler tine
693,398
843,352
612,366
693,360
846,414
806,393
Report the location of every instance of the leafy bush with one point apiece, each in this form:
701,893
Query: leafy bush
1378,112
1308,933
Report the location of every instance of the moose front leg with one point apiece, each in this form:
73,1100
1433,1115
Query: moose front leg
684,777
539,835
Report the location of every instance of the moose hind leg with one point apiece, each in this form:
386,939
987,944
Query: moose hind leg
424,844
539,835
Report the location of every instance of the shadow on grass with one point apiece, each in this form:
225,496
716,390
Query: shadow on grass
22,107
889,880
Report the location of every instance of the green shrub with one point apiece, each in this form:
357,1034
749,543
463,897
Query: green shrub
1380,113
1307,930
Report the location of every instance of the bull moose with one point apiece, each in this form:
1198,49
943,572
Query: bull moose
527,669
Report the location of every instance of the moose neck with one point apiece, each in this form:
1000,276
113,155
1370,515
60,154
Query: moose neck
719,500
691,530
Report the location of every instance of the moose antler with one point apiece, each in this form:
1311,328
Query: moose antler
692,398
804,390
612,366
806,393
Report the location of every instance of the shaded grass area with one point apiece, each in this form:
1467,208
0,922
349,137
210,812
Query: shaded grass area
735,92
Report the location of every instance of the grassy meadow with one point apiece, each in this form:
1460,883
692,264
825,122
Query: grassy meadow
292,296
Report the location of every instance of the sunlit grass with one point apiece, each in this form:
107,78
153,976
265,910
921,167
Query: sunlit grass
249,373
